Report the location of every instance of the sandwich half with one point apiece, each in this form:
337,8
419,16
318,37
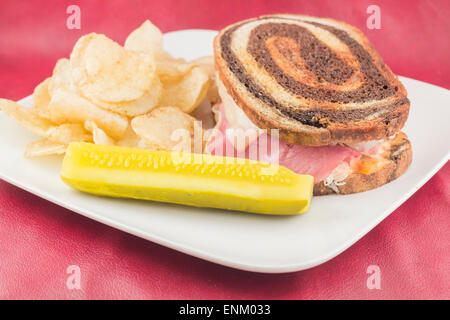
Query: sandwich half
336,107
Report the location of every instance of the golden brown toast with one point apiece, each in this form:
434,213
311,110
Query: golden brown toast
318,81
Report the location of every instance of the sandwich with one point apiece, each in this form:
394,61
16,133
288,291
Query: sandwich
322,90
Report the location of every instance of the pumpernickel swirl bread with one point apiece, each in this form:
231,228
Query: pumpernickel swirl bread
370,172
318,81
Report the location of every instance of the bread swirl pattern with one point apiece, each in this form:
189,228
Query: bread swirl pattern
317,80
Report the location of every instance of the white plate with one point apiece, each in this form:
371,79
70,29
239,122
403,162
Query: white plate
245,241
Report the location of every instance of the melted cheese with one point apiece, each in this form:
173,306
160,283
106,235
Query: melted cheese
367,147
337,177
368,165
240,125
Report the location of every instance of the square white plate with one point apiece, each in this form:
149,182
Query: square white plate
245,241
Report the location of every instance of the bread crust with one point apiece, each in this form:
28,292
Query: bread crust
382,127
397,154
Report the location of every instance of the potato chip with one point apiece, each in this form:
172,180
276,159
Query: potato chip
67,106
103,70
167,128
26,117
44,148
136,107
213,92
41,98
77,55
207,65
67,133
170,69
63,134
147,39
61,77
131,139
188,93
99,136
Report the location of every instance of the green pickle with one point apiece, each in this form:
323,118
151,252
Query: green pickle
188,179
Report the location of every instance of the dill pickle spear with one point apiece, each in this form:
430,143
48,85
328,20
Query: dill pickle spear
184,178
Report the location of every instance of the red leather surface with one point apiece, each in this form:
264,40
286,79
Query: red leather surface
39,240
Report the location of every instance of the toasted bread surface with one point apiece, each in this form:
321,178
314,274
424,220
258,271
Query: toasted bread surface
318,81
369,172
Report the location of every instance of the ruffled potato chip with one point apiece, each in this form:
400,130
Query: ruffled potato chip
147,39
26,117
132,140
44,147
98,135
61,77
62,134
41,98
207,65
144,104
168,128
103,70
67,106
188,93
67,133
172,70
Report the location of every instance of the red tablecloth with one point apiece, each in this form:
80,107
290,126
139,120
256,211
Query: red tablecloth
39,240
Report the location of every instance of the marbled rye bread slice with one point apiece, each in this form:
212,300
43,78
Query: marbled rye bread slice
318,81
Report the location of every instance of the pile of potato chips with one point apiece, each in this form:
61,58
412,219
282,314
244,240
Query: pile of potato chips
135,96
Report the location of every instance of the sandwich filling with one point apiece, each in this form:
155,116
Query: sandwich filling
235,135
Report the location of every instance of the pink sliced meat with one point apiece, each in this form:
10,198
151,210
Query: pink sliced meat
316,161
